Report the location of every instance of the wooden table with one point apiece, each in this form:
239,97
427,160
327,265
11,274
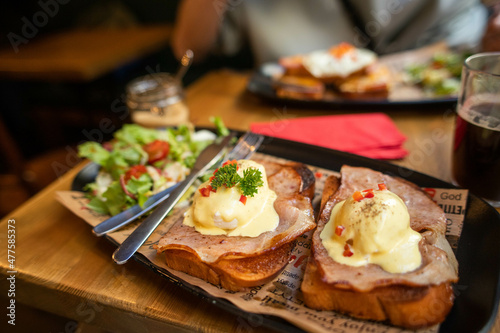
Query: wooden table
80,55
62,268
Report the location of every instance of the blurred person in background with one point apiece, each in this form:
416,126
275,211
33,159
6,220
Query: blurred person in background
277,28
491,37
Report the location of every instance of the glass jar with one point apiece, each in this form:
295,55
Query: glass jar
157,100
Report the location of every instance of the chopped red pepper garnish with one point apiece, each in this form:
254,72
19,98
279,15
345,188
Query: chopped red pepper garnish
339,229
205,191
369,195
347,253
231,162
318,174
243,199
347,250
210,188
357,196
382,187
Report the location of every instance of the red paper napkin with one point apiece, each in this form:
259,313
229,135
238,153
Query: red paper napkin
372,135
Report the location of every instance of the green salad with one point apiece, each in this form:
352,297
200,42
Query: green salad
440,76
140,162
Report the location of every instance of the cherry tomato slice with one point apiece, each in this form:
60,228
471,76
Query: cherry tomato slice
136,171
156,150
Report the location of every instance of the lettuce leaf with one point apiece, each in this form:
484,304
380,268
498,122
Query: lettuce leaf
140,187
115,199
94,152
132,133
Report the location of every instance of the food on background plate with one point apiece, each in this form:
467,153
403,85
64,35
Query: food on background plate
344,69
293,65
297,87
338,63
353,73
379,252
375,84
243,223
440,76
140,162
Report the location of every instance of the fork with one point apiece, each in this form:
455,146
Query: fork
245,147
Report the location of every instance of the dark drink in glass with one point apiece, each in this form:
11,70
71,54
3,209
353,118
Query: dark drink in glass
476,150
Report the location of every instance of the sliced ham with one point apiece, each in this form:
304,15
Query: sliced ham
293,207
439,264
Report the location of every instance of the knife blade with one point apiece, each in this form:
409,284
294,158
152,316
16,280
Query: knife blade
208,157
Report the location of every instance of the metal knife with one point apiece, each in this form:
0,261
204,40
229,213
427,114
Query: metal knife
131,214
207,158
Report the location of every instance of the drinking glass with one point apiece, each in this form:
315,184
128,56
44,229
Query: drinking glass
476,149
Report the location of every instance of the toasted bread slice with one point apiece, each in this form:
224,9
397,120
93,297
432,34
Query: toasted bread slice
299,87
374,84
237,262
293,66
400,305
232,273
415,299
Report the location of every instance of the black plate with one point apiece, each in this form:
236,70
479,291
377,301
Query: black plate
85,176
478,252
260,84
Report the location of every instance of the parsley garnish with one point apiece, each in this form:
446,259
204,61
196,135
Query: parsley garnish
252,178
225,176
228,176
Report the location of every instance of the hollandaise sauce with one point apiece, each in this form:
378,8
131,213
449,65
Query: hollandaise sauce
226,211
373,227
